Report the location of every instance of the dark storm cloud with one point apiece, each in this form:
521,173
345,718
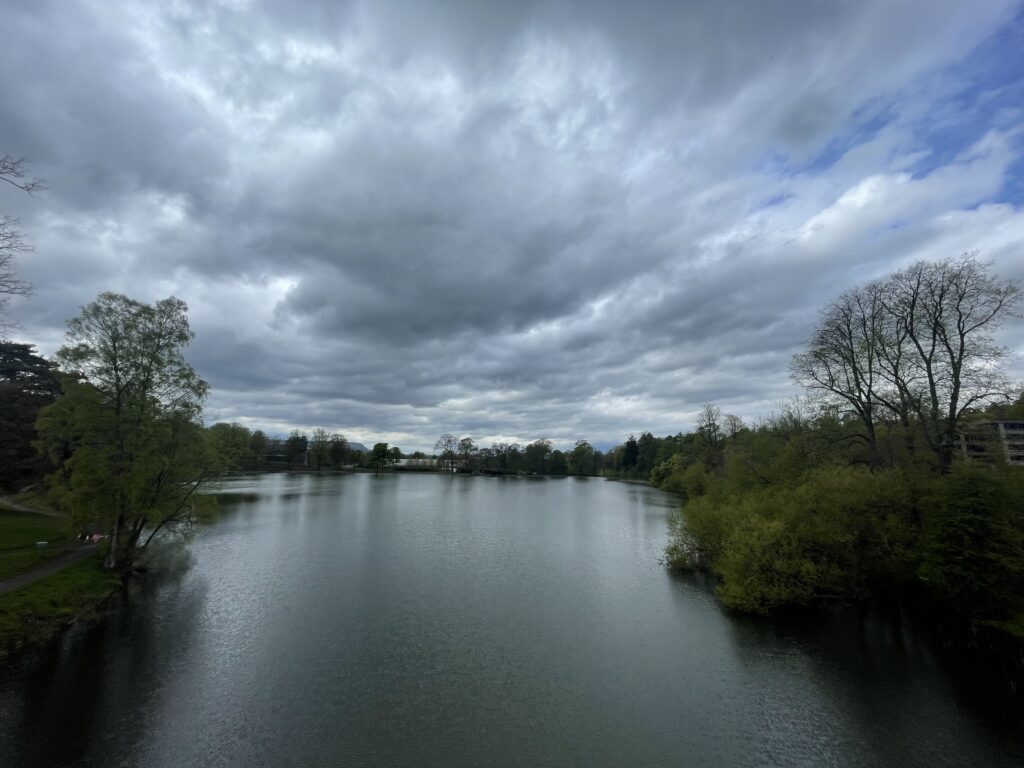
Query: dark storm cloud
513,220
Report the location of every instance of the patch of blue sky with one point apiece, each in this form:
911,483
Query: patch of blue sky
866,122
982,92
1012,191
986,93
776,164
776,200
897,224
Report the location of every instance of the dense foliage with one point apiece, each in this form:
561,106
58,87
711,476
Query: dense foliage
536,458
788,514
28,383
126,435
861,488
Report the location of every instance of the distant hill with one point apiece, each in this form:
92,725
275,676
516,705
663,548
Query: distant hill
358,447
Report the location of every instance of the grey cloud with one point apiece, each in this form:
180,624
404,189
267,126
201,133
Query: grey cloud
533,219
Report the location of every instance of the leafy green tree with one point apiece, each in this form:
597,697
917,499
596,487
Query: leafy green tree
974,540
630,454
505,457
232,444
258,445
536,456
668,447
27,384
467,451
557,464
381,457
295,447
320,448
646,455
129,424
582,460
865,492
822,539
338,450
515,458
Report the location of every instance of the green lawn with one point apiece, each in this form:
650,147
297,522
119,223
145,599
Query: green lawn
19,532
24,529
18,560
35,613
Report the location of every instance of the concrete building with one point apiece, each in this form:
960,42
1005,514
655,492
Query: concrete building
989,440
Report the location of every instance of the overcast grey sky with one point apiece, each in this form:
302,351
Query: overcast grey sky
511,220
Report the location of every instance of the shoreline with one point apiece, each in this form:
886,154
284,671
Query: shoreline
35,616
996,651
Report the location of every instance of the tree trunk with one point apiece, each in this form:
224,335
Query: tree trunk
873,459
133,540
112,559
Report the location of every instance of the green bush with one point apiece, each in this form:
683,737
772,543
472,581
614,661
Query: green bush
973,550
827,537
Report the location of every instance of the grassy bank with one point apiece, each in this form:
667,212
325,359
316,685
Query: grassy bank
23,529
34,614
19,532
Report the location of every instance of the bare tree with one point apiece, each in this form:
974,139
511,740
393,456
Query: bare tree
446,447
947,311
916,348
709,425
841,364
733,424
12,171
11,245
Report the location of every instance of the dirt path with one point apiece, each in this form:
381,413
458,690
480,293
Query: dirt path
58,563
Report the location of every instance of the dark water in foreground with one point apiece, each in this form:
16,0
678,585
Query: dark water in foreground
423,620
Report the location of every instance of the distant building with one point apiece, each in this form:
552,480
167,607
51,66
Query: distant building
425,463
991,440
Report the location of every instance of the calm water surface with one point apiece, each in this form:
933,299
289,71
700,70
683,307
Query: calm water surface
425,620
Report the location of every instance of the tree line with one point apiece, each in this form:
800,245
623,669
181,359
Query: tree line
536,458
